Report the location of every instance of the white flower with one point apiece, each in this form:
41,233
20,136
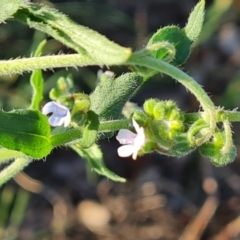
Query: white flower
132,142
60,114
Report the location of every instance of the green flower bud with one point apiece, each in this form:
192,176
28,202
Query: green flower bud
181,146
175,114
158,132
149,105
174,128
65,85
140,117
54,94
81,106
159,110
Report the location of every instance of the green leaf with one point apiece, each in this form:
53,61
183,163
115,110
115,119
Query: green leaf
37,81
90,132
26,131
94,157
83,40
110,96
195,21
177,38
8,8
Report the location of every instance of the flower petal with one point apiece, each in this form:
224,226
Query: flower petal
125,136
136,126
60,114
125,151
48,108
55,120
67,119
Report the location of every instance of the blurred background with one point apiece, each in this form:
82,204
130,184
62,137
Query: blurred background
164,198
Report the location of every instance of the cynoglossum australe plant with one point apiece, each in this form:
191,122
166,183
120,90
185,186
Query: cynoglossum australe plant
78,120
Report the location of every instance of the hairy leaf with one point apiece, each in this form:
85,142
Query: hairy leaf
8,8
195,21
82,39
26,131
94,157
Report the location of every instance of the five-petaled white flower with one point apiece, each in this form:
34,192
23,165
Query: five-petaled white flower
132,142
60,114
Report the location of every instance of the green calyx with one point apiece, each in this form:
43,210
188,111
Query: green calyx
163,123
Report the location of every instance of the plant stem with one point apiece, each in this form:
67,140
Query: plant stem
114,125
13,169
7,154
76,133
232,116
18,66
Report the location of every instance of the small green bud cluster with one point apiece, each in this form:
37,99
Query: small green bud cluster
163,124
168,132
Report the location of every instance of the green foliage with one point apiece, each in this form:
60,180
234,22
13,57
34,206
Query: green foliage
213,150
90,131
163,127
37,81
195,21
27,131
111,94
94,157
177,37
8,8
83,40
63,87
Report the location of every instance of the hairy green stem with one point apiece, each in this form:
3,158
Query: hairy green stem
232,116
10,171
18,66
66,137
114,125
228,137
7,154
76,133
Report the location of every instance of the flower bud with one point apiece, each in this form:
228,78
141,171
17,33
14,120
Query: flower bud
149,105
181,146
159,111
140,117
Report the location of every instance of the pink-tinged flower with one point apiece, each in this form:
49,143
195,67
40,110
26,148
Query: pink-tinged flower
60,115
133,142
